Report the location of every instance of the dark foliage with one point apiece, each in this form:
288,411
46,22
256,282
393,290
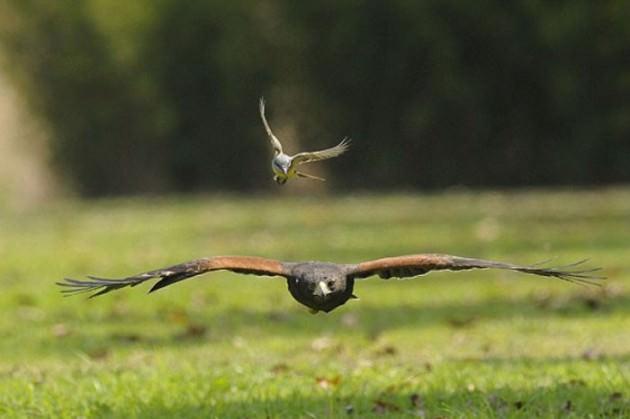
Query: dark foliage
162,95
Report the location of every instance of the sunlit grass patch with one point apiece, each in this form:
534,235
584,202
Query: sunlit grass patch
223,345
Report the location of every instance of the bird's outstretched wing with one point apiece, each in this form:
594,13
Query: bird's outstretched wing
310,156
176,273
275,143
414,265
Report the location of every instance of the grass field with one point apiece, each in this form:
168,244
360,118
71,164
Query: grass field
483,343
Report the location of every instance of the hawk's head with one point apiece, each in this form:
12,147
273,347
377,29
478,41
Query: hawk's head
321,288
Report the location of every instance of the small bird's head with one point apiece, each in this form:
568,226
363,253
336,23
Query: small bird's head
280,166
322,288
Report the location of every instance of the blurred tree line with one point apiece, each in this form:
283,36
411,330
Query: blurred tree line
159,95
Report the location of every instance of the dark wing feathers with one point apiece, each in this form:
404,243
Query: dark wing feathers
392,267
176,273
414,265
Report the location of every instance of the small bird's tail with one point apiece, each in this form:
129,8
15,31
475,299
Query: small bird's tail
306,175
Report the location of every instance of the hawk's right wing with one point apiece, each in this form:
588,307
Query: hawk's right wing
167,276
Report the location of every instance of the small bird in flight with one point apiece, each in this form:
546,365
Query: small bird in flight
322,286
284,166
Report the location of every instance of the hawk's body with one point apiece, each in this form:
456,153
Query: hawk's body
284,166
322,285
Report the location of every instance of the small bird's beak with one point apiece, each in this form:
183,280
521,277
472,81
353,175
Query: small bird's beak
324,288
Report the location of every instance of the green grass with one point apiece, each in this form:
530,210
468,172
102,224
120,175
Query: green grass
482,343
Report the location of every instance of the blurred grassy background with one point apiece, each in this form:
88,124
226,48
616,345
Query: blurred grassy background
448,344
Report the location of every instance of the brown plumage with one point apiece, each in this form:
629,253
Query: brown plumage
322,285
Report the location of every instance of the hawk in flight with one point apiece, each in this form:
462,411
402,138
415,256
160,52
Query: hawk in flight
323,286
284,166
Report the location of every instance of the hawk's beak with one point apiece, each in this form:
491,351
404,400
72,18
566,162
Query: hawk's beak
324,288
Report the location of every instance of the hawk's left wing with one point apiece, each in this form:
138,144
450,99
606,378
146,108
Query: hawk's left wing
414,265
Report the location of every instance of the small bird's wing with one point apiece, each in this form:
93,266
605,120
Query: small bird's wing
275,143
176,273
414,265
311,156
